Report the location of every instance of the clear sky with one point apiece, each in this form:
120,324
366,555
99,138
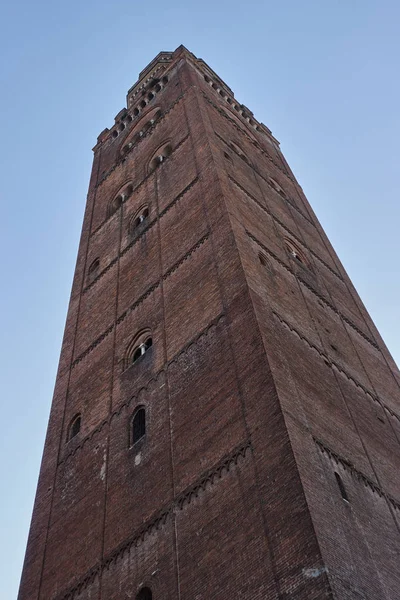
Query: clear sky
323,75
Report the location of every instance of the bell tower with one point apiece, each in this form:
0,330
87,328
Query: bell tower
226,417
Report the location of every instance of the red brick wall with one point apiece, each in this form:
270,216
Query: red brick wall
262,381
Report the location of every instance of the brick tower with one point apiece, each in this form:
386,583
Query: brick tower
226,418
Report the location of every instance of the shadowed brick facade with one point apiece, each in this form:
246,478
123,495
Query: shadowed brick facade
269,467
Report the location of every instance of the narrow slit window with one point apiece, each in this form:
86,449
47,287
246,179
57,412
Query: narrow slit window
94,270
74,427
341,487
138,426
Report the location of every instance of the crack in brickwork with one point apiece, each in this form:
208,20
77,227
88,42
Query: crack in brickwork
332,363
210,477
348,465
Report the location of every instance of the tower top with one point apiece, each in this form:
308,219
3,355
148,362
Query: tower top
158,67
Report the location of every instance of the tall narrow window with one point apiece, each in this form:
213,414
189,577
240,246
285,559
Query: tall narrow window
74,427
94,270
341,487
138,430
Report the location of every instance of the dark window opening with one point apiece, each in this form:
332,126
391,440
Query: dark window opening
139,430
160,156
341,487
228,157
74,427
135,112
142,104
94,270
142,349
141,218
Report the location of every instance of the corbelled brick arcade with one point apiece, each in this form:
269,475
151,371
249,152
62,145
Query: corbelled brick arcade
226,418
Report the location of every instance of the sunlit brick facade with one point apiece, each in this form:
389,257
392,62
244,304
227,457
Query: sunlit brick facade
226,418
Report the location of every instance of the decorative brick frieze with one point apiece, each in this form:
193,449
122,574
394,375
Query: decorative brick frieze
348,466
209,478
219,319
187,255
334,365
326,302
138,237
139,184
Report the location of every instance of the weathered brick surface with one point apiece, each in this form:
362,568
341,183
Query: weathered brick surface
263,380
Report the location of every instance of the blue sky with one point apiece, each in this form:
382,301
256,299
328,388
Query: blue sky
322,75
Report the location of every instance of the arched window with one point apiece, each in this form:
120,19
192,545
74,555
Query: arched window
115,204
138,347
295,253
93,270
144,594
120,198
142,126
138,425
159,156
74,427
142,349
139,220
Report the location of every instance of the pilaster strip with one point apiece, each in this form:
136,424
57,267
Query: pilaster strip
348,466
313,291
146,134
265,209
139,185
141,234
334,365
221,468
149,290
144,388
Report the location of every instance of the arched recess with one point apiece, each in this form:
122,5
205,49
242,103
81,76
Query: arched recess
162,152
146,121
119,198
144,594
139,220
